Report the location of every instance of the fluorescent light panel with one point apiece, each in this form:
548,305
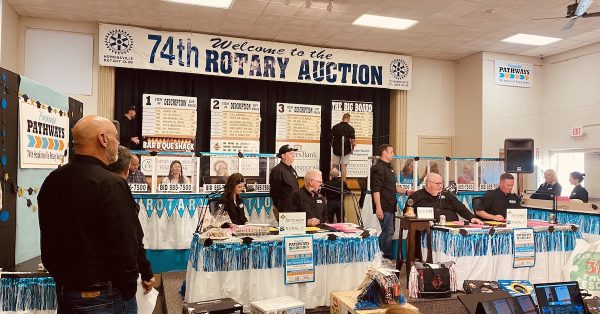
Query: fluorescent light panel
221,4
527,39
384,22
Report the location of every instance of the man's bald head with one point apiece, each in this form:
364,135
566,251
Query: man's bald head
96,136
434,183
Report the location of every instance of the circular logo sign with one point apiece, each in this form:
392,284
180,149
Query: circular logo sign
118,41
399,69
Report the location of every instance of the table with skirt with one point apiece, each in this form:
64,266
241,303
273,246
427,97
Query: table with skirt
255,271
588,221
483,255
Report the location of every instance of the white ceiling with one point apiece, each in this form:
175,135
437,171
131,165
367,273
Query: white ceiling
449,29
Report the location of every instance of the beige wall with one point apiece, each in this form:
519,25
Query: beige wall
508,111
90,102
9,38
469,102
430,101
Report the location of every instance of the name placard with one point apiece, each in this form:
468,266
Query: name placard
292,223
425,213
516,218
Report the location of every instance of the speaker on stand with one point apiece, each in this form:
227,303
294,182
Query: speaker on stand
518,157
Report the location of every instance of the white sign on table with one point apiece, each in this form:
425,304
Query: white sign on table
299,259
524,253
425,213
516,218
292,223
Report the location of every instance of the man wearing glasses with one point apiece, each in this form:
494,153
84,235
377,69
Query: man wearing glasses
443,202
307,199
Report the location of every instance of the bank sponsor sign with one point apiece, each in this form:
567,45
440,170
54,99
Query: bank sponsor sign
133,47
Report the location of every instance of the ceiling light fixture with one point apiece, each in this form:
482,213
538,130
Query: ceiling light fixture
384,22
221,4
308,4
527,39
330,6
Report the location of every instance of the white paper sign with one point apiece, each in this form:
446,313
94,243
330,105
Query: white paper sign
524,253
425,213
292,223
516,218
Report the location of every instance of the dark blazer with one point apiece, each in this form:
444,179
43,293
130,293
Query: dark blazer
236,212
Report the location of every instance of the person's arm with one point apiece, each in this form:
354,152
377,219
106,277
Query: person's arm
121,238
557,189
459,207
276,181
376,185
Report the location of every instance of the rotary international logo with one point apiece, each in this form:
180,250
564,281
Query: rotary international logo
399,69
118,41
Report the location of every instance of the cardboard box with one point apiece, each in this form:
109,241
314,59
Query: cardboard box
343,302
218,306
282,305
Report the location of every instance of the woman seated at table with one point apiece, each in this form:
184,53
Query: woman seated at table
579,192
231,203
548,189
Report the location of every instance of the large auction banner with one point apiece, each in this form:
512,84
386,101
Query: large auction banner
234,128
169,122
44,130
300,126
134,47
361,119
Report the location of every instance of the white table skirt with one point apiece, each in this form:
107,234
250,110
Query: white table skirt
246,286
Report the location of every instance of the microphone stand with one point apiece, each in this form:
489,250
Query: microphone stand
205,208
342,194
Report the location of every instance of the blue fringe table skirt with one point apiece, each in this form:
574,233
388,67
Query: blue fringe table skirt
27,295
255,272
589,223
481,256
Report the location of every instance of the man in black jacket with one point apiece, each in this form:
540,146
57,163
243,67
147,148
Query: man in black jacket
87,226
494,203
442,202
307,199
283,177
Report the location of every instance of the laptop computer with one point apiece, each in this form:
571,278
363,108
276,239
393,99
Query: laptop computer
470,300
559,297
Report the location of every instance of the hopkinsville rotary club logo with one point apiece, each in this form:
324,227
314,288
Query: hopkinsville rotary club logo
118,41
399,69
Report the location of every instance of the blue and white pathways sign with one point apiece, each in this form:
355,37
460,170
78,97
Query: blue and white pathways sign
513,74
134,47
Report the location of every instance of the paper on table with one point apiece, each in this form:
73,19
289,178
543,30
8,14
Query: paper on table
145,302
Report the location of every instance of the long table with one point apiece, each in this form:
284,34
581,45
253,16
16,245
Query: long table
480,255
255,271
588,221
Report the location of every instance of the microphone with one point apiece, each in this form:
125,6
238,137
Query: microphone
452,188
240,154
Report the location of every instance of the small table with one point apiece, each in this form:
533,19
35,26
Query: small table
412,225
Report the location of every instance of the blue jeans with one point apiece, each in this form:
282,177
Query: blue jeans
105,301
387,232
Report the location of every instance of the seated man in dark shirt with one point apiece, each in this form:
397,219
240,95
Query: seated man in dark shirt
443,202
495,202
307,199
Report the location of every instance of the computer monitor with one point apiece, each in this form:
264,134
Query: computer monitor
522,304
559,297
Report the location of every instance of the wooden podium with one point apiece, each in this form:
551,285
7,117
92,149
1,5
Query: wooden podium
412,225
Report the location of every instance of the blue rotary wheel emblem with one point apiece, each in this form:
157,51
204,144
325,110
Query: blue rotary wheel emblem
399,69
118,41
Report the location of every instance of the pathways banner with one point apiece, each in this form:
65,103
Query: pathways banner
513,73
133,47
44,134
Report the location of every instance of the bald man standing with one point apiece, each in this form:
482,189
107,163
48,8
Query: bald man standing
87,226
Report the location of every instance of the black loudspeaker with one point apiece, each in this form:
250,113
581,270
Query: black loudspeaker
518,155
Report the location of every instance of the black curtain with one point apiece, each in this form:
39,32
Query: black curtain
131,84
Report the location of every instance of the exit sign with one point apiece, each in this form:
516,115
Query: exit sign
576,132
